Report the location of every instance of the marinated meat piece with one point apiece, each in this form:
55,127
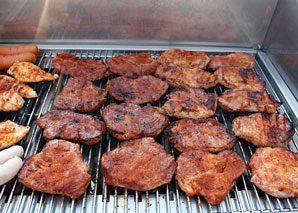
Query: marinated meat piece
206,134
264,129
140,164
275,171
190,103
11,133
10,101
10,84
130,121
240,60
57,169
184,58
244,100
145,89
209,175
132,65
90,69
80,95
28,72
186,77
232,77
71,126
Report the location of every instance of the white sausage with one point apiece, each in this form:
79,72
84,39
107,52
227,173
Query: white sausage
10,169
11,152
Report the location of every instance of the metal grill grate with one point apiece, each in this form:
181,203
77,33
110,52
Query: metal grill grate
14,197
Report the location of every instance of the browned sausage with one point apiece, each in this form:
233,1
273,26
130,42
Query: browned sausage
7,60
10,50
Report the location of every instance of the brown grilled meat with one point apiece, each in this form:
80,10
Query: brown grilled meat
90,69
183,58
206,134
240,60
186,77
132,65
244,100
190,103
275,171
145,89
140,164
210,175
80,95
264,129
130,121
71,126
232,77
57,169
10,101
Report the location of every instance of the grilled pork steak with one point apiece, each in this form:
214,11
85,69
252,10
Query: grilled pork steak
71,126
90,69
264,129
130,121
210,175
140,164
57,169
241,60
132,65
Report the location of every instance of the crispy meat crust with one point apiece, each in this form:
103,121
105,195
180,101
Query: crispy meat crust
210,175
90,69
206,134
132,65
186,77
244,100
145,89
183,58
272,130
57,169
241,60
130,121
275,171
190,103
71,126
80,95
140,164
233,77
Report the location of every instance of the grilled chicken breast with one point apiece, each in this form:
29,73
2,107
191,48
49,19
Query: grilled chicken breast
71,126
145,89
232,77
80,95
190,103
240,60
10,101
209,175
264,129
140,164
184,58
275,171
28,72
206,134
11,133
10,84
244,100
186,77
132,65
57,169
90,69
130,121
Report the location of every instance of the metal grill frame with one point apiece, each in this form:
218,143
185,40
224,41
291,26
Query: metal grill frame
244,197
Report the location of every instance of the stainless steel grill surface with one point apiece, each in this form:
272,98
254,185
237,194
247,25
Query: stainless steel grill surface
14,197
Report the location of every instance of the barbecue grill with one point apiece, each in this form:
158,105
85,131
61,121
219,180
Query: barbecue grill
244,197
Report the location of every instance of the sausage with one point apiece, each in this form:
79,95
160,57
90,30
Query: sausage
11,50
11,152
7,60
10,169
